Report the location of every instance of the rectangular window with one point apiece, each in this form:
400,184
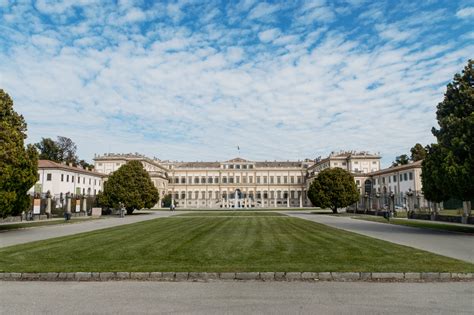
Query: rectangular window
231,180
272,179
203,180
405,176
83,180
183,181
278,179
299,179
401,177
72,179
48,177
258,179
176,181
209,180
78,179
224,180
196,195
285,179
244,180
203,195
394,178
292,179
264,179
237,179
292,194
196,180
250,179
90,181
237,166
190,195
217,195
389,179
216,180
67,178
410,175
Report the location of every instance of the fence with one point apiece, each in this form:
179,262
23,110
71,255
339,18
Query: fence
375,201
56,205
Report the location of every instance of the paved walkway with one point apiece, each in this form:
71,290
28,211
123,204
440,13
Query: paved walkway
246,297
445,243
20,236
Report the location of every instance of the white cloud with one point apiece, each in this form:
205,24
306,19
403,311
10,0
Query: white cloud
179,92
269,35
263,9
465,13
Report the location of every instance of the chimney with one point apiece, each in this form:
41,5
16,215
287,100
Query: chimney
70,164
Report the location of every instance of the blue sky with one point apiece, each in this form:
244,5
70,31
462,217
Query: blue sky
191,80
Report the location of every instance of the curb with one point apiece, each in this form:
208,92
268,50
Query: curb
239,276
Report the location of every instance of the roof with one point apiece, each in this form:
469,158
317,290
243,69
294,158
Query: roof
47,164
398,168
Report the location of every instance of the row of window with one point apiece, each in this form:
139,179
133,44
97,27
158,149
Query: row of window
237,179
402,177
224,195
238,166
49,177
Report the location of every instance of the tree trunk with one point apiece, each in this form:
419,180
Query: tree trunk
130,211
334,210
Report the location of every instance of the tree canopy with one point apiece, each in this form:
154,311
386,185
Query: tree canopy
131,185
333,188
454,151
401,160
18,165
418,152
63,150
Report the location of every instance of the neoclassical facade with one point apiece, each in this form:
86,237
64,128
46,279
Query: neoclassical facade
240,183
235,183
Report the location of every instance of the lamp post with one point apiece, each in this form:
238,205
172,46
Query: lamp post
391,210
377,195
366,198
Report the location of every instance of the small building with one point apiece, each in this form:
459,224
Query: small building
60,178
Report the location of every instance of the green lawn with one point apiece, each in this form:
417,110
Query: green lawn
229,213
219,244
428,225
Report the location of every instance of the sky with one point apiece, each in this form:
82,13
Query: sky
193,80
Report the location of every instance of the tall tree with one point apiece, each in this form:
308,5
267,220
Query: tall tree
131,185
333,188
18,165
455,115
67,150
433,175
401,160
48,150
418,152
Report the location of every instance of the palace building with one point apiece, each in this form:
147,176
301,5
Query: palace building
239,183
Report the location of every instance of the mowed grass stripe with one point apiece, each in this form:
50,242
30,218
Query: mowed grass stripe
230,213
219,244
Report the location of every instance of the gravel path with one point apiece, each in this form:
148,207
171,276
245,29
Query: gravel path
20,236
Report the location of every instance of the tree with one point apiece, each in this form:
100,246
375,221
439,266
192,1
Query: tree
418,152
455,115
167,200
85,165
48,150
401,160
18,165
433,177
333,188
132,186
67,150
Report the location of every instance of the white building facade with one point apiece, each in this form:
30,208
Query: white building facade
59,179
